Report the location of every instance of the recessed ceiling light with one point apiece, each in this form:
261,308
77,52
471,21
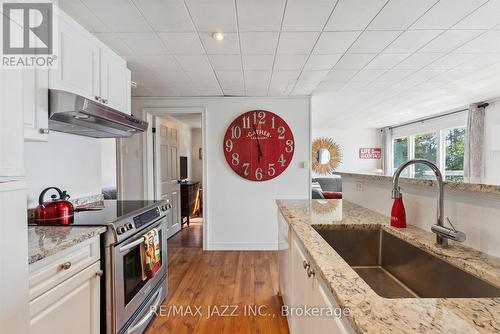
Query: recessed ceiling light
218,36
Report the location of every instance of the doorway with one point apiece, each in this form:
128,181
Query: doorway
176,170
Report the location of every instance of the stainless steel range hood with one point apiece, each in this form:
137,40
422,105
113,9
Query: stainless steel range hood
78,115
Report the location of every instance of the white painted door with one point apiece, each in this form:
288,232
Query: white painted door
70,307
14,297
11,123
78,70
115,81
167,172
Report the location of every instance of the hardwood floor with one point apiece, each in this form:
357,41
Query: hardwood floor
216,292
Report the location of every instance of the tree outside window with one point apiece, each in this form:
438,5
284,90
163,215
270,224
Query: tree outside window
454,154
426,147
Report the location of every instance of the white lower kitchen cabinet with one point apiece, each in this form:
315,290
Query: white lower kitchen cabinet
64,297
301,289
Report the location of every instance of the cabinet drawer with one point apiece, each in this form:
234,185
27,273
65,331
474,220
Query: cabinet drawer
49,272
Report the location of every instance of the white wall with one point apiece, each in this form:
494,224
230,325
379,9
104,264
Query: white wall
70,162
491,153
108,162
473,213
241,213
350,141
197,163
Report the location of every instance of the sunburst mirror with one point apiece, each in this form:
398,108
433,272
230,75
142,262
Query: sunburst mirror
326,156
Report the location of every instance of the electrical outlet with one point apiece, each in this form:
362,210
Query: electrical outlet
360,186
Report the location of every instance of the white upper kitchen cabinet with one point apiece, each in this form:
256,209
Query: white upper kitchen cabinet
115,81
77,70
36,104
11,123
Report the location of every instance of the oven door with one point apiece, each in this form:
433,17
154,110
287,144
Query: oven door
130,290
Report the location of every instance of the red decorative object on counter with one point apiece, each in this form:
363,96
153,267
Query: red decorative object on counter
398,213
58,211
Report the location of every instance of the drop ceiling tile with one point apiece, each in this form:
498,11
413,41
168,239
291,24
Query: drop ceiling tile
353,14
335,42
303,88
297,42
166,16
83,15
257,78
258,62
373,41
327,86
114,42
394,75
193,62
260,15
313,76
340,75
485,43
143,43
213,15
354,61
446,13
230,76
225,62
450,61
366,75
203,76
306,15
480,61
151,63
129,18
289,62
450,40
485,17
322,62
418,60
285,76
229,45
182,42
233,88
258,42
256,91
411,41
400,14
387,60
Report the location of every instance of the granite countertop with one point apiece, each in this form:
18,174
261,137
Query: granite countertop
44,241
452,186
371,313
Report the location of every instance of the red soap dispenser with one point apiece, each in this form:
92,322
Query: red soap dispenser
398,213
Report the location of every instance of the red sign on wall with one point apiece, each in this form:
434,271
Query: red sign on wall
370,153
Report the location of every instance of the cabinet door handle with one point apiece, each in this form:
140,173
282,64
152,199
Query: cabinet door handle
44,131
305,264
99,273
310,272
66,265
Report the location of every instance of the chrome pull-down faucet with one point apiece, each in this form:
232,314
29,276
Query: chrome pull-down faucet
442,232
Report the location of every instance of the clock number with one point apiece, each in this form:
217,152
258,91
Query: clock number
281,131
272,122
246,122
246,165
282,160
258,174
289,146
235,159
235,132
259,118
229,145
270,170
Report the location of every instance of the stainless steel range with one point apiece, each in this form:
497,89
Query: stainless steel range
129,301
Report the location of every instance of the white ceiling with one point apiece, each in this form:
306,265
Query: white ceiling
376,61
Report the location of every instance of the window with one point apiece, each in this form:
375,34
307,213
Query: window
444,147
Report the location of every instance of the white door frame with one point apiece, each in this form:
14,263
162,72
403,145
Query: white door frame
147,161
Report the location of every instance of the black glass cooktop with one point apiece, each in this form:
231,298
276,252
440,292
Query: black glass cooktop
109,213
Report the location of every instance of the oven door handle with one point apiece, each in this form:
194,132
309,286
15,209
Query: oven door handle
152,310
132,244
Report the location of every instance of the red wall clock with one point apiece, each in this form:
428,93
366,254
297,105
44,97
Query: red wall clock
258,145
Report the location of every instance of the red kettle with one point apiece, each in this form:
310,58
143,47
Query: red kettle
58,211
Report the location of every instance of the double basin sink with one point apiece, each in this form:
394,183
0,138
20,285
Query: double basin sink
394,268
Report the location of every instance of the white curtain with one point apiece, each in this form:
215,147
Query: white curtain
386,150
473,160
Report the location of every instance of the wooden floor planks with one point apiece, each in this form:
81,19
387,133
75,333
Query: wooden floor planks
225,282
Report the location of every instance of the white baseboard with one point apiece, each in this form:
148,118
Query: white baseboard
264,246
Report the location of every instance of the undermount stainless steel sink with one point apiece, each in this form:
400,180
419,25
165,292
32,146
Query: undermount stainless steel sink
393,268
